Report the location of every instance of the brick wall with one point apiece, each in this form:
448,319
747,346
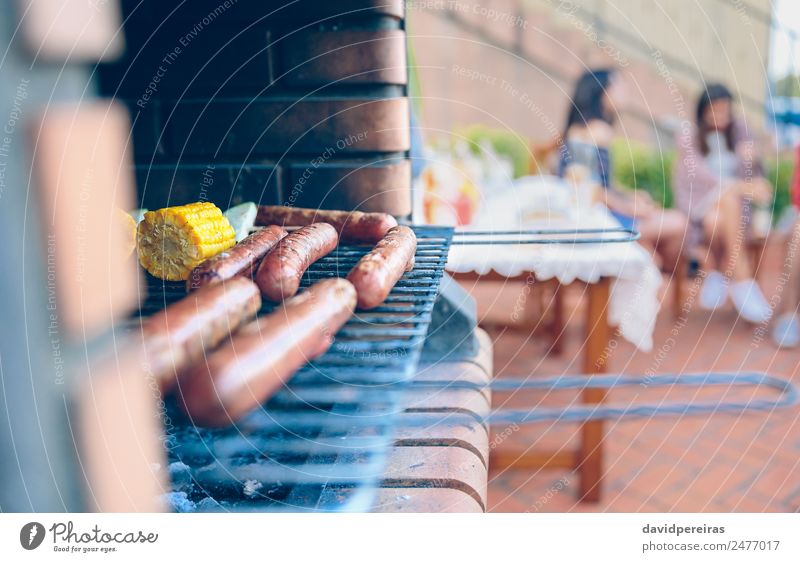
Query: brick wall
245,100
514,68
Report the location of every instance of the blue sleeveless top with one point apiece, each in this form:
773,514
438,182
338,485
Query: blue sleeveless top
598,160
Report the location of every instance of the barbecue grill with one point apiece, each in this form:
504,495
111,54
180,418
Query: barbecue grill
321,443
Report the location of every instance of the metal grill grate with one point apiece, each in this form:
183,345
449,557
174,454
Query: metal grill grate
320,443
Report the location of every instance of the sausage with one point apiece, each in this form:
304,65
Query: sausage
376,273
183,332
354,227
263,355
280,271
241,260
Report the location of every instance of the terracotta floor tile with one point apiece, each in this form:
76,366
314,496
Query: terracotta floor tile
706,463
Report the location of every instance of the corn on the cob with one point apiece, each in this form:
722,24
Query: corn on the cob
175,240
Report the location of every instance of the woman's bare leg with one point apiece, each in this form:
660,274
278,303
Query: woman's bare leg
673,236
714,255
664,231
724,225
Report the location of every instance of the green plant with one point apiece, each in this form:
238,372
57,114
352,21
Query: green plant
779,173
637,166
505,143
788,86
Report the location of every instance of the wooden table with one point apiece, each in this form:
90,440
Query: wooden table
587,460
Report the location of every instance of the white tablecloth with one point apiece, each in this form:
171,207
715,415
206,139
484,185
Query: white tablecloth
636,280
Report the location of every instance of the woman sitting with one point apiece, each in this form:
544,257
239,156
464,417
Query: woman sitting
599,96
716,179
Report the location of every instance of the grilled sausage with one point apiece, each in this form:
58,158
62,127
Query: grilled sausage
241,260
182,332
264,354
376,273
354,227
280,271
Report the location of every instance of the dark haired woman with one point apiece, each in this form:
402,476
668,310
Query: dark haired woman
716,177
599,96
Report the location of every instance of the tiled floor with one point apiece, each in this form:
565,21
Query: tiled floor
712,463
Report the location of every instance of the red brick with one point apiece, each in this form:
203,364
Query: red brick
82,164
326,57
320,127
384,187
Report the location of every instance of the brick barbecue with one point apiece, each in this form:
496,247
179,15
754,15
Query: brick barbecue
302,105
228,101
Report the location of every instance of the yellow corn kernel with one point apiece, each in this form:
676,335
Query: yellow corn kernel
174,240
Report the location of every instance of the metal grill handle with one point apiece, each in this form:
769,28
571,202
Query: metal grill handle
545,236
583,413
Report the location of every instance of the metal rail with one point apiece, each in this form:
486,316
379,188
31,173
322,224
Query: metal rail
788,396
544,236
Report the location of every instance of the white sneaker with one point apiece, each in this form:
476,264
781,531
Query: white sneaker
750,302
714,291
786,332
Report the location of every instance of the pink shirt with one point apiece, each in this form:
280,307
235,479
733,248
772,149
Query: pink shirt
694,182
